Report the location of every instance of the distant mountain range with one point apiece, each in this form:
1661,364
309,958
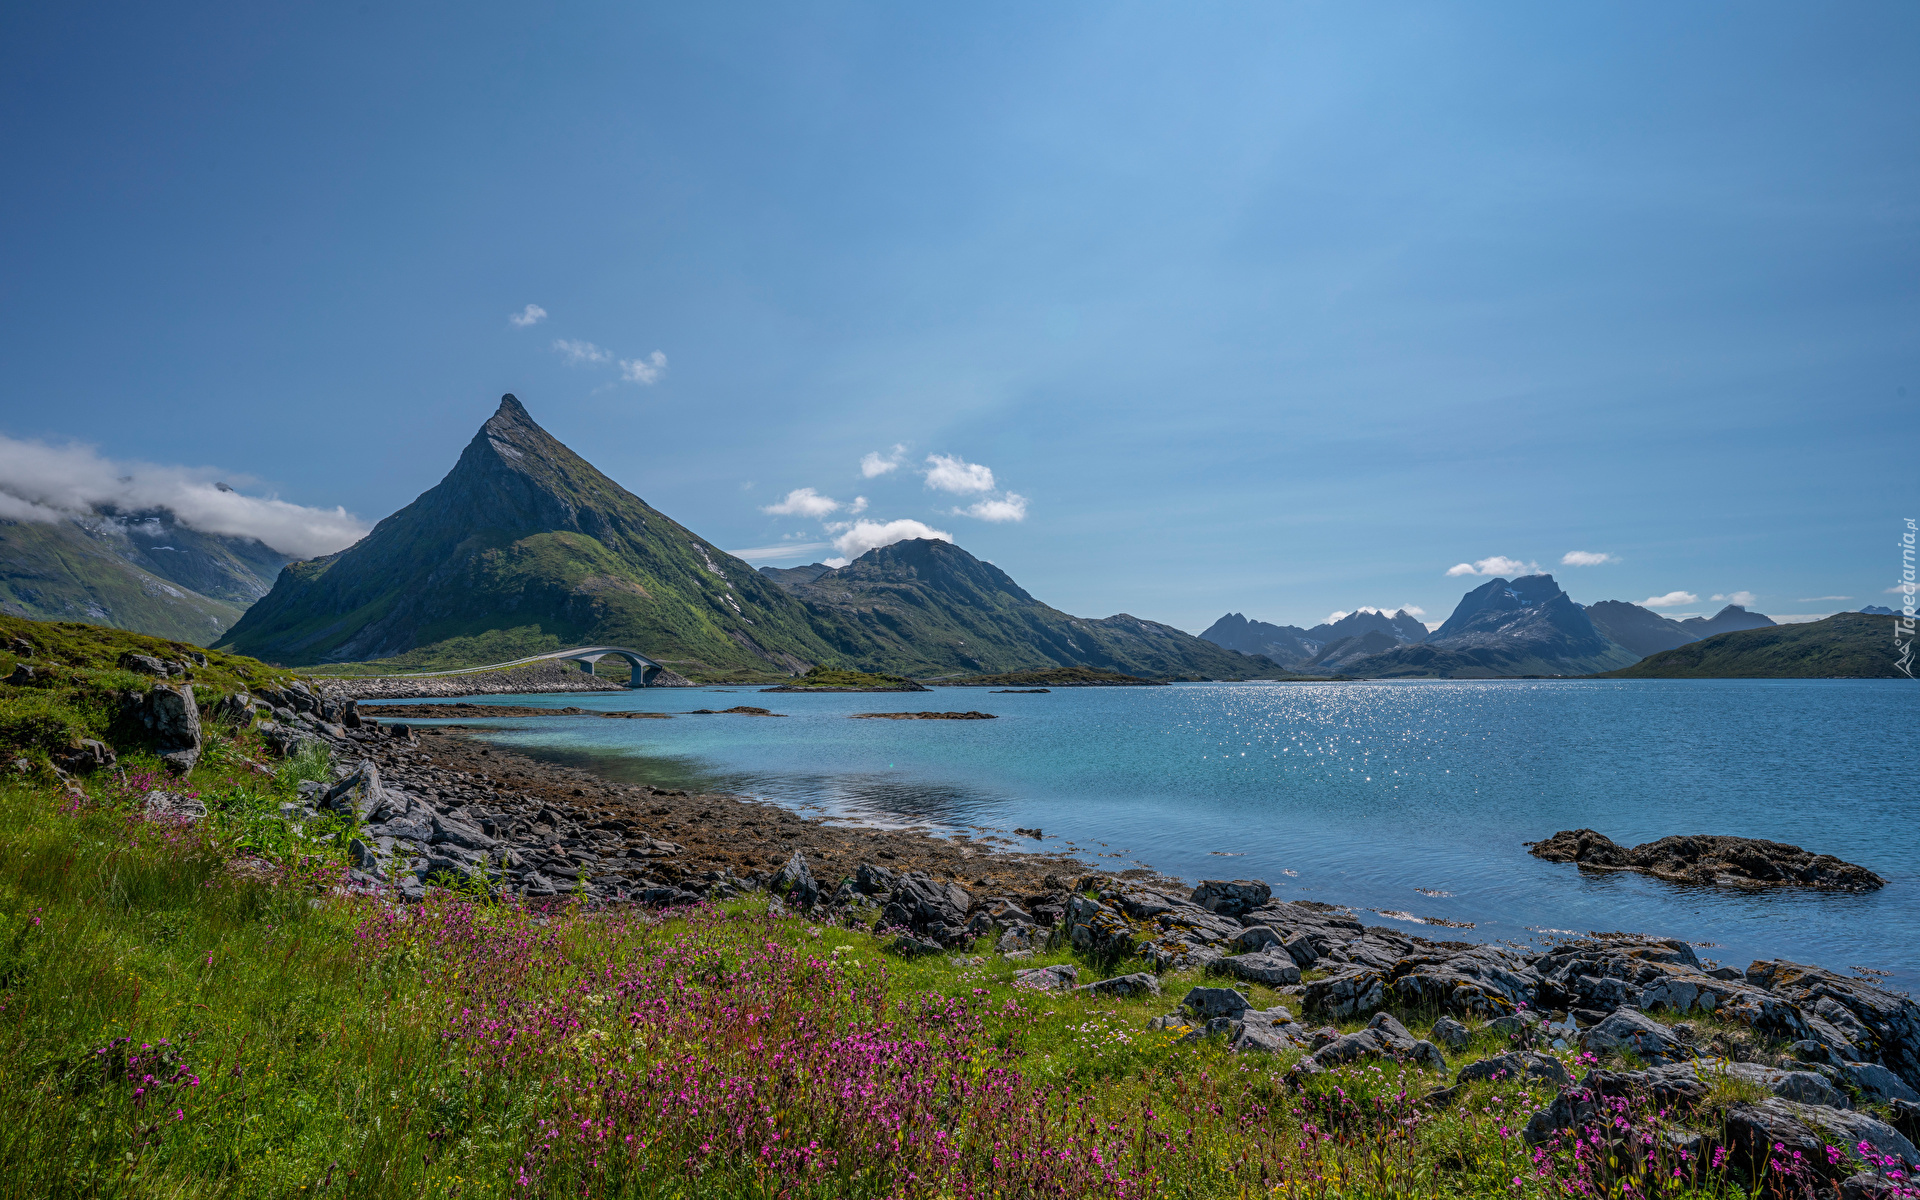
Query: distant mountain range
142,571
1844,646
1525,626
525,547
1293,647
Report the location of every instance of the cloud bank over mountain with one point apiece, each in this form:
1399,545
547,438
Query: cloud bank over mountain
39,482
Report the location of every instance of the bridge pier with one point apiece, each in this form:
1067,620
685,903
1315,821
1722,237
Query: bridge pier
645,670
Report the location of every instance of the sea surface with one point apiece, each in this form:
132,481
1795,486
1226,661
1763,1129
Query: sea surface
1409,801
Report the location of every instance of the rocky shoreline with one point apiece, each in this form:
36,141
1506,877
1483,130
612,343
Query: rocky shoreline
434,801
532,678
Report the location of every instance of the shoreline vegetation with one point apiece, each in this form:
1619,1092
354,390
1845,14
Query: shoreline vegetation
226,974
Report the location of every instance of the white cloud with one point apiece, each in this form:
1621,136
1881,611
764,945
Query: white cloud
776,553
863,536
1586,558
1670,600
951,473
643,370
804,502
1741,598
874,463
1497,565
1818,599
1898,589
1013,507
1335,616
39,482
1797,618
532,314
859,505
577,352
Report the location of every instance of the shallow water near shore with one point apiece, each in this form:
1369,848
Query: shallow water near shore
1412,798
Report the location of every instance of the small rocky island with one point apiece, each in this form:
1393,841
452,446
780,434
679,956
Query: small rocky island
833,679
924,716
1709,859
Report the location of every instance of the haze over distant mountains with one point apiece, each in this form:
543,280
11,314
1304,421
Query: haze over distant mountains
1524,626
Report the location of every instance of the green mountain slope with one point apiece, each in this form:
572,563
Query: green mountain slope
1846,645
63,571
524,547
925,608
234,570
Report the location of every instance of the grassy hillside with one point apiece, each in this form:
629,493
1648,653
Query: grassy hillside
58,572
75,691
1844,646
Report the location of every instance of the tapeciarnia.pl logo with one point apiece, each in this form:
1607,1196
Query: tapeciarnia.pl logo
1903,621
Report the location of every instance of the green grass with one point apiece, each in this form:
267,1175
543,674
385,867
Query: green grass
841,677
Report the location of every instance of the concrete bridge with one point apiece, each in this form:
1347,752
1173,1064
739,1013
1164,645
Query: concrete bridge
645,669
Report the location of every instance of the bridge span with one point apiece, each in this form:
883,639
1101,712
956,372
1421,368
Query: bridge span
645,669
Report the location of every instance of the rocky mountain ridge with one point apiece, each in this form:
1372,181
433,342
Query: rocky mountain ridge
927,607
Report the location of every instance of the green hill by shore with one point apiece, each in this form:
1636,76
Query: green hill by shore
1844,646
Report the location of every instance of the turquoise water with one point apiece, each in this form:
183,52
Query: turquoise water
1410,798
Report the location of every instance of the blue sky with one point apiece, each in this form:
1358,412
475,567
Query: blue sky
1282,309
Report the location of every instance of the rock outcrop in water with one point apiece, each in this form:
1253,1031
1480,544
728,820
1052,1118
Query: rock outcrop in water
1709,859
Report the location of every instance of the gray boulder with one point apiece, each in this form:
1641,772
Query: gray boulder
1518,1065
1451,1033
1121,986
360,793
1208,1002
1353,992
1057,978
1231,897
1485,981
1782,1128
1268,1032
936,911
794,883
1253,939
1853,1019
143,664
1877,1083
172,722
872,880
173,806
1275,968
1383,1037
1631,1030
449,832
